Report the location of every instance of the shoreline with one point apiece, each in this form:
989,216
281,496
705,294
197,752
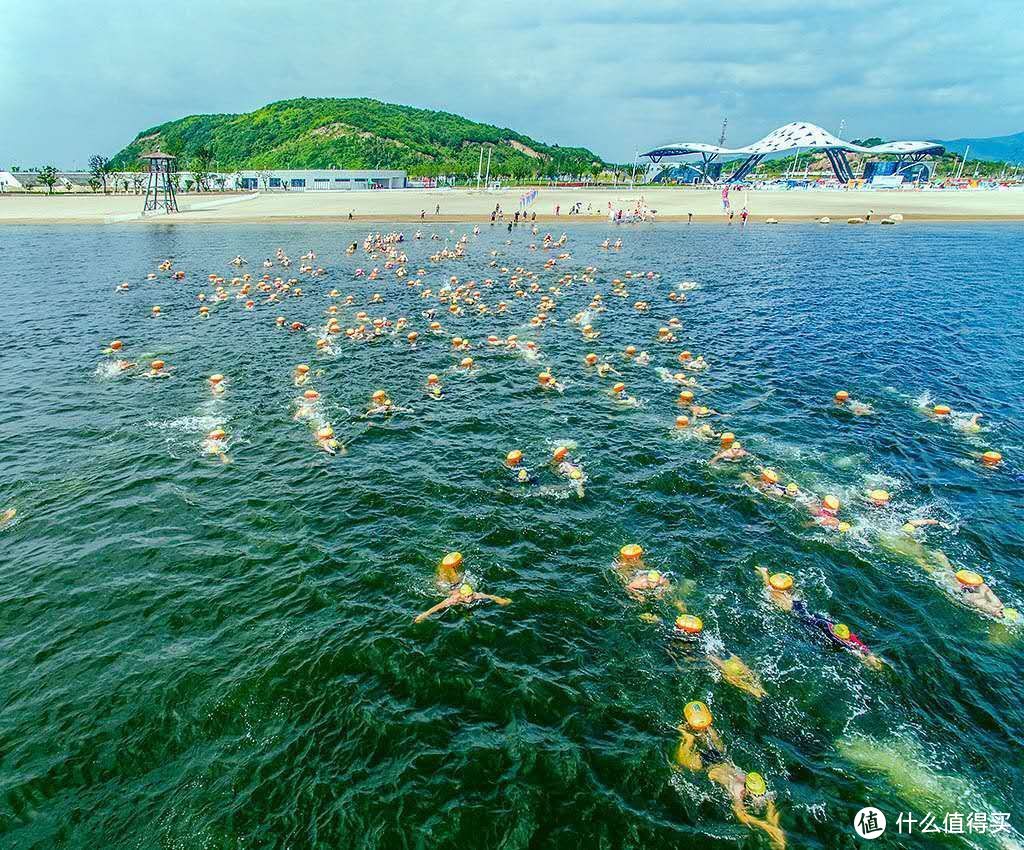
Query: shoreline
471,207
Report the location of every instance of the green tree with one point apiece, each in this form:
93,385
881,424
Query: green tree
99,167
48,177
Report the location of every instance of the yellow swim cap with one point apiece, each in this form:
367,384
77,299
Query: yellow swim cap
631,552
523,475
465,590
325,433
879,497
1011,614
575,474
690,624
379,395
909,528
780,581
728,438
697,715
792,489
831,502
755,784
969,578
685,396
844,527
653,576
769,476
841,631
453,560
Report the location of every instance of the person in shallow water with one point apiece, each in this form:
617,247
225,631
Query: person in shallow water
688,633
700,748
780,591
462,595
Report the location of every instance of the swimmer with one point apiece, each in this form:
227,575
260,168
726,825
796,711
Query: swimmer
301,374
565,467
857,408
688,632
971,424
216,446
305,406
449,571
731,453
7,516
520,474
620,396
970,589
381,403
325,439
433,387
748,791
216,383
826,514
648,582
780,591
766,482
462,595
157,370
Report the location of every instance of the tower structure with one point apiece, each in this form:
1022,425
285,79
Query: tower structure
160,188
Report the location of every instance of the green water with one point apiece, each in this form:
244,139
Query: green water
207,655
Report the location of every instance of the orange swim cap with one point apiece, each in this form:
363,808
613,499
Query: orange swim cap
780,581
217,434
325,433
618,388
941,410
769,476
631,552
969,578
432,379
591,359
379,396
560,453
831,502
413,336
684,356
682,421
842,396
630,350
698,715
301,369
466,362
117,345
216,379
685,397
728,438
991,458
156,365
311,394
513,457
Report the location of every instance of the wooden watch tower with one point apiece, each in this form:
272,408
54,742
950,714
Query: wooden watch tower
160,188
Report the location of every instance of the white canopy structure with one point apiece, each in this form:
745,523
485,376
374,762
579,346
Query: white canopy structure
794,137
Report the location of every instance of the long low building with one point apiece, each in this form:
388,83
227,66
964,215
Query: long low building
317,180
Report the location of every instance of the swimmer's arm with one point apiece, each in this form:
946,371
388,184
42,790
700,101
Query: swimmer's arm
441,606
763,572
497,600
685,756
921,523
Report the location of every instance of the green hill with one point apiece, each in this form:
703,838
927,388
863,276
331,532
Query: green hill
354,133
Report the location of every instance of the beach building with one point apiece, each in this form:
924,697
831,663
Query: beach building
792,138
317,180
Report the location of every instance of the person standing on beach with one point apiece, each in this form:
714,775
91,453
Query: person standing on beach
689,218
743,216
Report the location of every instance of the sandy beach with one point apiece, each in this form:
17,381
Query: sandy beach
671,203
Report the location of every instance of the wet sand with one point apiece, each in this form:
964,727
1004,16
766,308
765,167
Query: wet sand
671,204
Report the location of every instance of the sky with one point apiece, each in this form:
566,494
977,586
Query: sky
82,78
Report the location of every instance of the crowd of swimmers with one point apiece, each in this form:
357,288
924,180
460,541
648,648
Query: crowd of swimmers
700,747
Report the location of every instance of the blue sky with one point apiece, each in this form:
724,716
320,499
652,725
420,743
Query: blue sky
80,78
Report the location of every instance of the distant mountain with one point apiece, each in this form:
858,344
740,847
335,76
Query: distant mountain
994,148
353,133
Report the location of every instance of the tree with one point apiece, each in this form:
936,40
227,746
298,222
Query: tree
202,162
99,167
94,184
48,177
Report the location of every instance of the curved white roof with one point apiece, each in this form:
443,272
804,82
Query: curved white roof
794,136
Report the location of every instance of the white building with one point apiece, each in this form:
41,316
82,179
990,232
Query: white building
317,180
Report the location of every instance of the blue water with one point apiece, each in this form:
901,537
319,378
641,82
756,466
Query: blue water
205,655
